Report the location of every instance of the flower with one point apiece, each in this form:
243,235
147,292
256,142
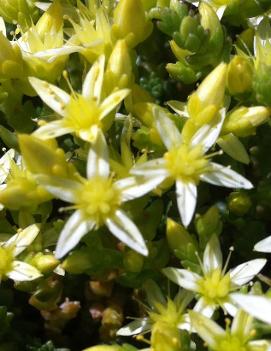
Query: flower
236,338
215,286
10,249
82,114
263,245
187,164
161,310
97,201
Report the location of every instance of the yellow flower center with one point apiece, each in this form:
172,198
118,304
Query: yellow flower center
98,199
215,286
186,163
82,114
232,343
6,259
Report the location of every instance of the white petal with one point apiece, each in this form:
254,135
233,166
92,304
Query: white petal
51,130
167,129
207,329
184,278
230,308
204,308
224,176
125,230
245,272
51,55
53,96
5,164
233,147
22,239
186,200
3,27
98,164
208,134
132,187
263,245
151,168
242,323
22,271
258,306
136,327
75,228
212,257
112,101
61,188
220,11
92,86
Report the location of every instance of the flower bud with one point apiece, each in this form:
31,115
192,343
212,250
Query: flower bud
44,157
77,262
45,263
11,64
208,224
239,203
239,77
119,70
130,22
244,120
18,11
132,261
165,337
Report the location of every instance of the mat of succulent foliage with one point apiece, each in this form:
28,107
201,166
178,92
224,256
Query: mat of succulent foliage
135,174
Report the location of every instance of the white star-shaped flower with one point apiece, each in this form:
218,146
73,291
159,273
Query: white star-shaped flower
215,286
187,164
97,201
82,114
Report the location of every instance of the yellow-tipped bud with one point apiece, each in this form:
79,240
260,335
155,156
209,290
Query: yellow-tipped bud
211,91
130,22
10,59
119,71
244,120
44,157
51,22
239,77
45,263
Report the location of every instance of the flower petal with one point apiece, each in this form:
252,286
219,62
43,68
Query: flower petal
112,101
167,129
23,238
92,86
263,245
53,96
133,187
51,130
61,188
138,326
151,168
205,308
98,163
208,134
5,164
22,271
212,257
224,176
125,230
75,228
257,306
186,200
184,278
207,329
245,272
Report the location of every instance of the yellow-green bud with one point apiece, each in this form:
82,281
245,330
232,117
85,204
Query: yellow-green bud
11,64
44,157
18,11
239,78
130,22
133,261
239,203
119,70
77,262
45,263
165,337
244,120
208,224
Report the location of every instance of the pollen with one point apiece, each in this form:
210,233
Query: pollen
98,199
186,163
6,259
82,114
215,286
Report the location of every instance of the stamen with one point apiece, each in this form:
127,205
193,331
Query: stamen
67,79
200,261
231,249
216,153
141,338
